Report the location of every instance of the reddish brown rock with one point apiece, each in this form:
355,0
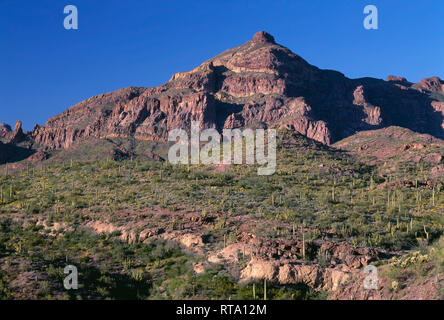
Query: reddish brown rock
17,134
38,156
294,273
432,84
433,157
263,37
118,153
9,136
438,171
396,79
344,253
413,146
258,83
5,129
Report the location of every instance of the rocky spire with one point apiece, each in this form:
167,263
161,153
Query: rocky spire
263,37
17,135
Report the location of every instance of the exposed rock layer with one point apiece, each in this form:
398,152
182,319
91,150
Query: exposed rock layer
257,84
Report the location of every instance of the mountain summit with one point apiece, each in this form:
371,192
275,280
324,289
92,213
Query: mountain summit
257,84
263,37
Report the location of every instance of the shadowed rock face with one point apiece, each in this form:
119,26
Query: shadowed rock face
257,84
5,129
11,153
3,154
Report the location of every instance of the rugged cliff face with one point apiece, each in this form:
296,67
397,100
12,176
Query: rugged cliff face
12,136
257,84
3,155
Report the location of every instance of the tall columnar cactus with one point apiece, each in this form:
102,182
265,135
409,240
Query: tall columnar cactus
265,289
303,245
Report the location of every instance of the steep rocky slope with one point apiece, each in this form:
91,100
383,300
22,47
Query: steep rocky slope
258,83
315,224
394,148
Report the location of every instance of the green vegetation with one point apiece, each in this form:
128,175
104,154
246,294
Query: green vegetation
320,189
423,265
111,269
324,190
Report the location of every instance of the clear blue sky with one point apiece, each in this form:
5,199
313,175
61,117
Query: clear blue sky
44,68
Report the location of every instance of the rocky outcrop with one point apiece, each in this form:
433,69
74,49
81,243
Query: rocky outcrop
432,84
259,83
438,171
344,253
3,153
263,37
12,136
281,261
38,156
397,79
394,145
327,279
5,129
152,155
17,134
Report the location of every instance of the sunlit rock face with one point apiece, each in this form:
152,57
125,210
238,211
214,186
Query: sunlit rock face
259,83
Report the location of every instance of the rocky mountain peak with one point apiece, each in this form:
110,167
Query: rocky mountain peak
18,126
263,37
256,83
396,79
432,84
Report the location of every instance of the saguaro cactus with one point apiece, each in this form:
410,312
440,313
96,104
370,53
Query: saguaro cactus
303,245
265,289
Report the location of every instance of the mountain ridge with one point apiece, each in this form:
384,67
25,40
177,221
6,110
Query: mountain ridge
256,84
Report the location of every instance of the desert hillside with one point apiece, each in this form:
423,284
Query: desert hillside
359,181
